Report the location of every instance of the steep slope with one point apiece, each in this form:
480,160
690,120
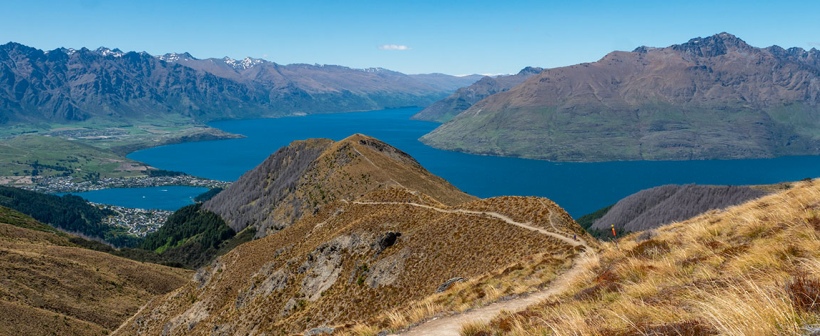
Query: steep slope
714,97
657,206
749,270
66,85
355,260
447,108
385,236
52,286
299,178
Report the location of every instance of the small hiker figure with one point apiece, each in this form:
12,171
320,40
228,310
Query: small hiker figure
575,237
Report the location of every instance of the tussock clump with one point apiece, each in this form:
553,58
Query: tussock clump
651,249
685,328
805,292
814,222
475,329
606,282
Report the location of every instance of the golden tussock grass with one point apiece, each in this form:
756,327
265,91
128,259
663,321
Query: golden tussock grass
435,245
51,286
753,269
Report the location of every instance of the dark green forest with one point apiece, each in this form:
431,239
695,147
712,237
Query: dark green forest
192,237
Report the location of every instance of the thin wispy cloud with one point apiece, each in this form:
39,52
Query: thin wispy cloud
393,47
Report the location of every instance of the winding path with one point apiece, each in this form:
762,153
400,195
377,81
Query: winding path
451,325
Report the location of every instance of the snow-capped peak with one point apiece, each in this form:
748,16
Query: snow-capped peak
246,63
374,69
67,51
110,52
175,57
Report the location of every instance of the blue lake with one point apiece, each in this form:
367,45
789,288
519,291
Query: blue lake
162,198
578,187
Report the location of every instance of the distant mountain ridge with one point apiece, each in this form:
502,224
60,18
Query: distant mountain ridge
708,98
69,85
447,108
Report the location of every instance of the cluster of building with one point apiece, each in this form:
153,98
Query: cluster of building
63,184
139,222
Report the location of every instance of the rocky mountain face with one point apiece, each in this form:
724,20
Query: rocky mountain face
51,286
67,85
298,179
447,108
713,97
654,207
360,229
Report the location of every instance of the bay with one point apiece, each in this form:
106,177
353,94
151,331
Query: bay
580,188
161,198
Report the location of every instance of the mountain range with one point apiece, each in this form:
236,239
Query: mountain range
708,98
68,85
447,108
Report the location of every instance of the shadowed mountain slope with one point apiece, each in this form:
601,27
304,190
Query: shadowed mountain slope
52,286
299,178
657,206
447,108
713,97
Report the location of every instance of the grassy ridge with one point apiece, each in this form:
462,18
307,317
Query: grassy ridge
751,269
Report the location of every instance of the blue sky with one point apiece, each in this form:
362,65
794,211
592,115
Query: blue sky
453,37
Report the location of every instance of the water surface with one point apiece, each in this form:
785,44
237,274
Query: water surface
578,187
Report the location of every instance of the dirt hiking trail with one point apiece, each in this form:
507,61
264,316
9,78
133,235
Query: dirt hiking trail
451,325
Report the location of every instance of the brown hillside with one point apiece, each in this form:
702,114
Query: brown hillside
342,265
712,97
299,178
51,286
751,269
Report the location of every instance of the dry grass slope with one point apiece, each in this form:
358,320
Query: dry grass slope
51,286
337,267
752,269
306,175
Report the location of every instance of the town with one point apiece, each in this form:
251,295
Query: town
64,184
139,222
